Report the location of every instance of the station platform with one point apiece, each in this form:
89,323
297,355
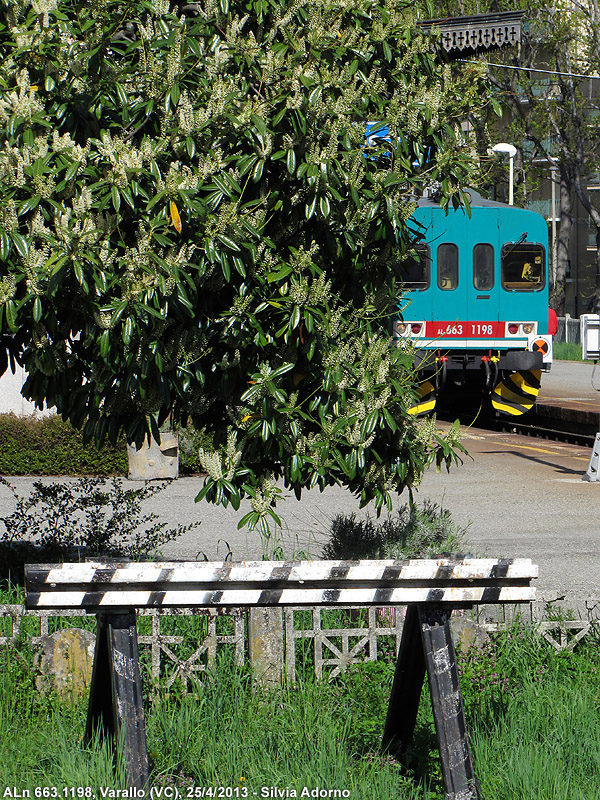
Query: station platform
570,396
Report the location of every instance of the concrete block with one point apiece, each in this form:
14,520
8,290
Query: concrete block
467,633
65,661
154,460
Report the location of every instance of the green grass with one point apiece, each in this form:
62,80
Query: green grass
567,351
540,736
533,716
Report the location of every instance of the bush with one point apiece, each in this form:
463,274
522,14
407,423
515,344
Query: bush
413,532
50,446
84,517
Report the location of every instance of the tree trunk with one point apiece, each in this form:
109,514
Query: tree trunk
595,215
558,287
596,297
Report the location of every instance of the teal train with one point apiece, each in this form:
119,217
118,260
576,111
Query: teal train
475,308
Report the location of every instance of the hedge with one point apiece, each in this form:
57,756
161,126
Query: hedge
50,446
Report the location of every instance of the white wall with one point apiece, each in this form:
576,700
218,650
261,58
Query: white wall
11,400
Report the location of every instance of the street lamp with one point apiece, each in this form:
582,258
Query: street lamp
511,152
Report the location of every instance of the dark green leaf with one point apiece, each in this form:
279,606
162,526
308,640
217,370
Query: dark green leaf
20,244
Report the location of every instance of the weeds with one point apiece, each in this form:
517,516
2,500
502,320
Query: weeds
413,532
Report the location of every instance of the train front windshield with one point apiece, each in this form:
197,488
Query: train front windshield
523,268
415,270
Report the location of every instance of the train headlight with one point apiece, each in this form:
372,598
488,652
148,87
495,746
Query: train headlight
528,327
408,328
512,327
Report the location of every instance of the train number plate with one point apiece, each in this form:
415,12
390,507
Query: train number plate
465,329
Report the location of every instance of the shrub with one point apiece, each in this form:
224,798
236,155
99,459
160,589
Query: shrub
86,516
413,532
50,446
192,228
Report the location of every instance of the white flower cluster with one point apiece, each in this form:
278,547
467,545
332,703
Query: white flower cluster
65,144
179,177
333,325
102,319
210,163
285,22
22,102
12,166
159,76
7,288
266,259
233,455
73,231
211,463
40,337
181,256
125,160
355,437
266,497
381,476
9,220
35,267
160,7
302,259
187,115
215,66
43,8
82,203
425,429
219,465
44,185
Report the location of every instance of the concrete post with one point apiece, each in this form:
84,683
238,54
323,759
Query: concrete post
265,644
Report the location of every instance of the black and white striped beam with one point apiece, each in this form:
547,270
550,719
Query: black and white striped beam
97,586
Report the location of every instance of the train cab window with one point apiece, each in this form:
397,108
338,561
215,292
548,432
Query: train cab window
414,271
483,267
447,266
523,267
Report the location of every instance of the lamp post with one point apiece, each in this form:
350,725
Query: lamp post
510,150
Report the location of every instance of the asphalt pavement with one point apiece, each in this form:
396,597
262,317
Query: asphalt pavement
517,496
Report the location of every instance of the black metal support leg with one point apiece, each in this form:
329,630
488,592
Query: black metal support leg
115,702
446,699
406,689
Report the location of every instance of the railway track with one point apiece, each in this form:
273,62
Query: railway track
576,423
541,429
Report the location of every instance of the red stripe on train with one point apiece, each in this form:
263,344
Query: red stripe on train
465,329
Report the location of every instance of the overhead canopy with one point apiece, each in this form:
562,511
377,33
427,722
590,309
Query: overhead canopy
477,33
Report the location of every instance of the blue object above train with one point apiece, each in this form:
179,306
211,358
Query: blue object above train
378,132
476,300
